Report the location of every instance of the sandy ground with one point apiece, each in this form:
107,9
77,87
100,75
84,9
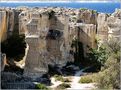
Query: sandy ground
76,85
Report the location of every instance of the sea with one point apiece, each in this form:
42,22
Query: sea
104,7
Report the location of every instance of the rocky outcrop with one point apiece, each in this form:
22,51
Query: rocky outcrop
85,33
109,26
102,28
48,40
49,34
114,27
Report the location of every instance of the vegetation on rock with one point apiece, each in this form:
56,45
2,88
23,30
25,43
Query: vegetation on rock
85,80
109,59
97,57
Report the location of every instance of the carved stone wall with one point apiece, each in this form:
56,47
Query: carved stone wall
48,41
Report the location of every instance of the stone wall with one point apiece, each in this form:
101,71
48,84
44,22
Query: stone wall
3,26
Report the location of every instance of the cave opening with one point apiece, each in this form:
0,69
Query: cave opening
54,34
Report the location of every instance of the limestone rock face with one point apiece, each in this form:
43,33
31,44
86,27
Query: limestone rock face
3,26
8,23
109,26
85,33
48,40
87,16
102,27
49,34
114,26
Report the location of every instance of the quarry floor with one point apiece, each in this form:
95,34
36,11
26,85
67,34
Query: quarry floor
75,85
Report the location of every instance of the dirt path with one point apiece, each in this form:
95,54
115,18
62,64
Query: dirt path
75,82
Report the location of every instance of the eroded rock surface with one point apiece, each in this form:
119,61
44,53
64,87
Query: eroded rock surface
48,40
49,33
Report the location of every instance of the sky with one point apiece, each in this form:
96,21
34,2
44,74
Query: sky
62,0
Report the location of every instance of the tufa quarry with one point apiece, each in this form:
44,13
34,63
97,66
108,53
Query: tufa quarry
49,33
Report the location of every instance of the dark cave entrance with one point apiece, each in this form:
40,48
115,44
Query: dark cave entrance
78,52
53,34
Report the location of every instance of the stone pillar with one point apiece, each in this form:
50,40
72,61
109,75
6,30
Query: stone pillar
35,65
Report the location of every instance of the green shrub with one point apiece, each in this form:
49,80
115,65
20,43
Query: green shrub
59,78
41,87
66,80
97,57
63,86
85,79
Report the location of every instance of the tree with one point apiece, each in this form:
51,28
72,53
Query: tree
14,47
97,57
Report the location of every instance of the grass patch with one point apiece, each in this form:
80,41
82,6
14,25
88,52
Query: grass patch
41,87
85,80
63,86
88,79
59,78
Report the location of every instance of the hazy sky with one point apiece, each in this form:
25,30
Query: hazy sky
67,0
